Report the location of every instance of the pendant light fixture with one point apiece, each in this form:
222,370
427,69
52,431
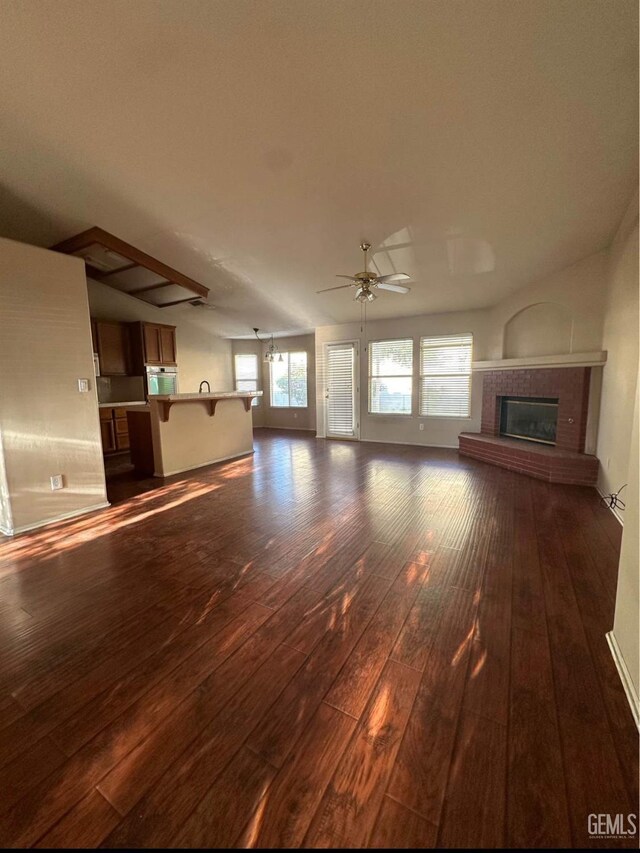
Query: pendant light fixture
273,353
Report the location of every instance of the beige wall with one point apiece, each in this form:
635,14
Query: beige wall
47,426
265,414
626,627
618,436
439,432
545,328
620,339
191,437
574,297
561,314
201,354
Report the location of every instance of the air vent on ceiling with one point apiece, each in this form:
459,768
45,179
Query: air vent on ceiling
202,303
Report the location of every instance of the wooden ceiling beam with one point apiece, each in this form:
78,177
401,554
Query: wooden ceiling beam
110,241
175,302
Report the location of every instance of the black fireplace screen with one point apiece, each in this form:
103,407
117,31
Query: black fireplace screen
531,418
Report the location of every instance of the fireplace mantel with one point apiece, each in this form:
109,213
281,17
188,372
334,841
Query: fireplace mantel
574,359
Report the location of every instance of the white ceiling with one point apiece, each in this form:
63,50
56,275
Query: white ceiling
483,144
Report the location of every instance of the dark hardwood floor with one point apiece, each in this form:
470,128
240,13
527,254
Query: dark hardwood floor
325,644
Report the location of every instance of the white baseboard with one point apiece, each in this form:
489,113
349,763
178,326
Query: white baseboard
204,464
625,677
616,512
409,443
295,429
65,516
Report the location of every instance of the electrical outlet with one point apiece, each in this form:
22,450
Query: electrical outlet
57,482
421,427
83,386
295,414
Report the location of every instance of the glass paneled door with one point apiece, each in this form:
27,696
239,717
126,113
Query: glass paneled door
342,391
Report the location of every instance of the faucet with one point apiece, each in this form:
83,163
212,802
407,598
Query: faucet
204,382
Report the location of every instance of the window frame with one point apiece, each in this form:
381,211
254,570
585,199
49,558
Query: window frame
422,376
256,400
410,376
288,354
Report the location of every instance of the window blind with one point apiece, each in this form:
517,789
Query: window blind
390,376
445,376
289,380
246,366
246,370
340,363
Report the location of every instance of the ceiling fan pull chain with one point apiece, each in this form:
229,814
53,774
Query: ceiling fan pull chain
364,305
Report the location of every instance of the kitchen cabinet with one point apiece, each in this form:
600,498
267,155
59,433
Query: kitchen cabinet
154,344
107,431
151,342
121,428
168,344
114,430
113,347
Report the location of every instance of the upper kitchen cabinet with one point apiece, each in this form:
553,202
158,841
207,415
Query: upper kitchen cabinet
152,351
168,344
155,344
113,345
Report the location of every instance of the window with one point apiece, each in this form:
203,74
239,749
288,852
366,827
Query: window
246,367
289,381
390,377
445,376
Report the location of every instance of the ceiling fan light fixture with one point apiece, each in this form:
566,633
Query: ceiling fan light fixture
365,295
365,280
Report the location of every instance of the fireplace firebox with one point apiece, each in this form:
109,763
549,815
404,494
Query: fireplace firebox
529,418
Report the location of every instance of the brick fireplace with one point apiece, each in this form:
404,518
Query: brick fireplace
564,462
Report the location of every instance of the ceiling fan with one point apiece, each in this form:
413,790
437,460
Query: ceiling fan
366,282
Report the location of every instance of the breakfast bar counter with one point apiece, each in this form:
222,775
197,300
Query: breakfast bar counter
180,432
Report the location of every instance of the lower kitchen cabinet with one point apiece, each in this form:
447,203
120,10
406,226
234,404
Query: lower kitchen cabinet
114,430
108,436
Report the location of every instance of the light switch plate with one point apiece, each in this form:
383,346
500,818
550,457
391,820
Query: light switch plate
83,386
57,482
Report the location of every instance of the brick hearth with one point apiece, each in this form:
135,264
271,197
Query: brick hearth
564,463
544,463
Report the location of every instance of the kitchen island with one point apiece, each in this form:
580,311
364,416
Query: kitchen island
179,432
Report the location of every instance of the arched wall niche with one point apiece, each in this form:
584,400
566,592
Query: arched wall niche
544,328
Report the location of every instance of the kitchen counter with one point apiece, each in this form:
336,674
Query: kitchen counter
122,405
210,399
188,431
208,395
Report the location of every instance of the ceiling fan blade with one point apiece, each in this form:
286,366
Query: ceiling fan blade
339,287
395,288
350,277
395,276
